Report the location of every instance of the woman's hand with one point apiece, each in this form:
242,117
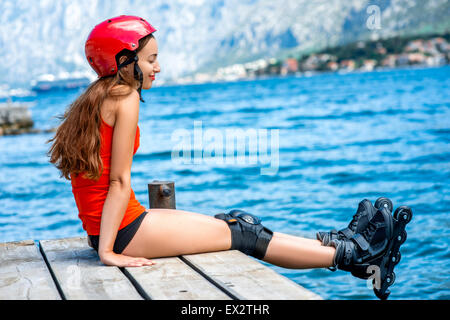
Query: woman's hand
120,260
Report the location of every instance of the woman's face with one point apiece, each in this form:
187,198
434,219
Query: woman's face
148,62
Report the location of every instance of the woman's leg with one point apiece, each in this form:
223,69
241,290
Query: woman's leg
298,253
312,242
168,232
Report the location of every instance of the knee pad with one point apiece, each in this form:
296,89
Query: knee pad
248,235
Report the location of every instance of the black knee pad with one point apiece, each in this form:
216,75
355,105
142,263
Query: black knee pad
248,235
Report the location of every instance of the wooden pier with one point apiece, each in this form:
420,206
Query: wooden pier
71,270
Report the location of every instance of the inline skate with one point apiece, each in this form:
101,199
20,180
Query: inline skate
360,220
374,251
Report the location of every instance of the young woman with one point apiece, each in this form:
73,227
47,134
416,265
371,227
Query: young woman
94,147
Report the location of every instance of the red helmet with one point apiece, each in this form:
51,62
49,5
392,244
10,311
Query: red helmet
110,37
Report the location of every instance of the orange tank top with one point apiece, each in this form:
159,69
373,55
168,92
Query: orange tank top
90,195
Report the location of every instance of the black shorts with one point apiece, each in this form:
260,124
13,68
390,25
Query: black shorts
124,235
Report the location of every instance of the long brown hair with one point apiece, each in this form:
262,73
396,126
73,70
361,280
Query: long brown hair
76,144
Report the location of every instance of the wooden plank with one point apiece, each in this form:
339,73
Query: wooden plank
80,273
23,273
246,279
171,278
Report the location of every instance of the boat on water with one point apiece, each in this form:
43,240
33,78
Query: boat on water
49,82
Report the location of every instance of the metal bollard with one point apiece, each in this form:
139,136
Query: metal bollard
161,194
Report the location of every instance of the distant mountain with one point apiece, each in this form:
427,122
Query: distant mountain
47,37
276,30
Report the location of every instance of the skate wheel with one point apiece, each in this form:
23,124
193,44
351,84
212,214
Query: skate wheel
384,202
402,237
390,279
397,258
403,213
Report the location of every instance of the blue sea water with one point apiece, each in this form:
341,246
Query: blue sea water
341,138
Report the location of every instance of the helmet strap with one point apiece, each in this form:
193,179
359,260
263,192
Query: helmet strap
132,58
138,75
137,71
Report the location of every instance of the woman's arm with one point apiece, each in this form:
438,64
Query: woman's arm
127,114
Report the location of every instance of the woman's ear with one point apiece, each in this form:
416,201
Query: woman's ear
122,59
